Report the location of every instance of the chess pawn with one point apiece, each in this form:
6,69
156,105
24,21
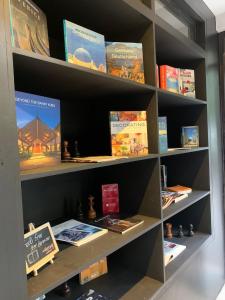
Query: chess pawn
91,212
169,233
180,232
66,154
191,232
65,290
76,151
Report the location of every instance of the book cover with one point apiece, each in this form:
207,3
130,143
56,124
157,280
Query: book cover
163,143
171,251
187,82
110,198
77,233
94,271
129,133
190,136
92,295
29,27
169,198
180,189
84,47
125,60
38,125
163,174
169,78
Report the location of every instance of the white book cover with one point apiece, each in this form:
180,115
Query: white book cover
171,251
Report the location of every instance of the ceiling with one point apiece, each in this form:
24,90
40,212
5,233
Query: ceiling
218,8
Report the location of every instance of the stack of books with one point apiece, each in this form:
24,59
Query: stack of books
174,195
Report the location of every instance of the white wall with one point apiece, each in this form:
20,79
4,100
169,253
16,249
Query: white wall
220,22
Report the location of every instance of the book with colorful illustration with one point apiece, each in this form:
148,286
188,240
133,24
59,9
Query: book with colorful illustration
29,27
94,271
190,136
38,125
129,133
169,78
125,60
84,47
187,82
163,143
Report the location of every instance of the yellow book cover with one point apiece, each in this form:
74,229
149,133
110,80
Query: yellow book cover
94,271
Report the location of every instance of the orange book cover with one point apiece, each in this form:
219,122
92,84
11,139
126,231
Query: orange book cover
169,78
94,271
180,189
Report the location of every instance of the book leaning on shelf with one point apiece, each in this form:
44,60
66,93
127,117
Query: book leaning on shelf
171,251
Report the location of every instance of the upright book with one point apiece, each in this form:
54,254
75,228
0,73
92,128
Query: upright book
187,82
29,27
38,125
84,47
190,136
163,143
110,198
125,60
169,78
129,133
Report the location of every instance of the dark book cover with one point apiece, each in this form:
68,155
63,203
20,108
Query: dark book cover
92,295
163,143
110,198
29,27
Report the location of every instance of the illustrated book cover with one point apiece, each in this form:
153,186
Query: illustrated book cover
187,82
129,133
77,233
190,136
39,135
169,78
84,47
92,295
110,198
169,198
95,270
29,29
125,60
163,143
171,251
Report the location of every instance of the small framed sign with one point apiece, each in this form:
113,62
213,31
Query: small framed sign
40,247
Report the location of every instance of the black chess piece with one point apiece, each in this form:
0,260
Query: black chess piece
180,232
191,232
65,290
80,214
76,151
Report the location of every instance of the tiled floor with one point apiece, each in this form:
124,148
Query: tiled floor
221,295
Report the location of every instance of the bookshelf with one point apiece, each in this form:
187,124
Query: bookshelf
52,193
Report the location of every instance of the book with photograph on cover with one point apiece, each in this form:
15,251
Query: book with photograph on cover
171,251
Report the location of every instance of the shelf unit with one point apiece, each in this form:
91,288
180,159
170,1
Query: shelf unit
52,193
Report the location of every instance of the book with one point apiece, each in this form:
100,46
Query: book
180,189
38,125
129,133
171,251
95,270
169,78
29,29
125,60
157,76
163,170
163,143
169,198
92,295
110,198
84,47
77,233
190,136
118,225
93,159
187,82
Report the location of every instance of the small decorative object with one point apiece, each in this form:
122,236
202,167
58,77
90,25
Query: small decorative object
66,154
190,136
80,214
66,291
180,232
76,151
91,212
169,233
191,232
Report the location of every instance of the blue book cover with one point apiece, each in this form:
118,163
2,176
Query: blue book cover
38,125
190,136
163,143
84,47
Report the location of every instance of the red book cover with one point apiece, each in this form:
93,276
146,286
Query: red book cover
110,198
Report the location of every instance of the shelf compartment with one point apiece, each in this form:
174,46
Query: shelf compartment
175,208
73,260
183,151
57,78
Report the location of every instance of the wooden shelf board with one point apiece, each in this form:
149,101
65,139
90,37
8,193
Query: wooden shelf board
185,151
65,168
73,260
59,79
127,285
175,208
168,99
193,244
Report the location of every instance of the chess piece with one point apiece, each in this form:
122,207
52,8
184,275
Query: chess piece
180,232
76,151
191,232
66,154
66,291
91,212
169,233
80,214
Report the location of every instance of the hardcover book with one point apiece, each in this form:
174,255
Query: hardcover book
94,271
129,133
84,47
169,78
190,136
163,174
77,233
38,125
125,60
180,189
29,27
110,199
187,82
163,143
171,197
171,251
92,295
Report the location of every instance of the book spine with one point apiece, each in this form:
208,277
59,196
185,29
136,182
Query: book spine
162,75
65,39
